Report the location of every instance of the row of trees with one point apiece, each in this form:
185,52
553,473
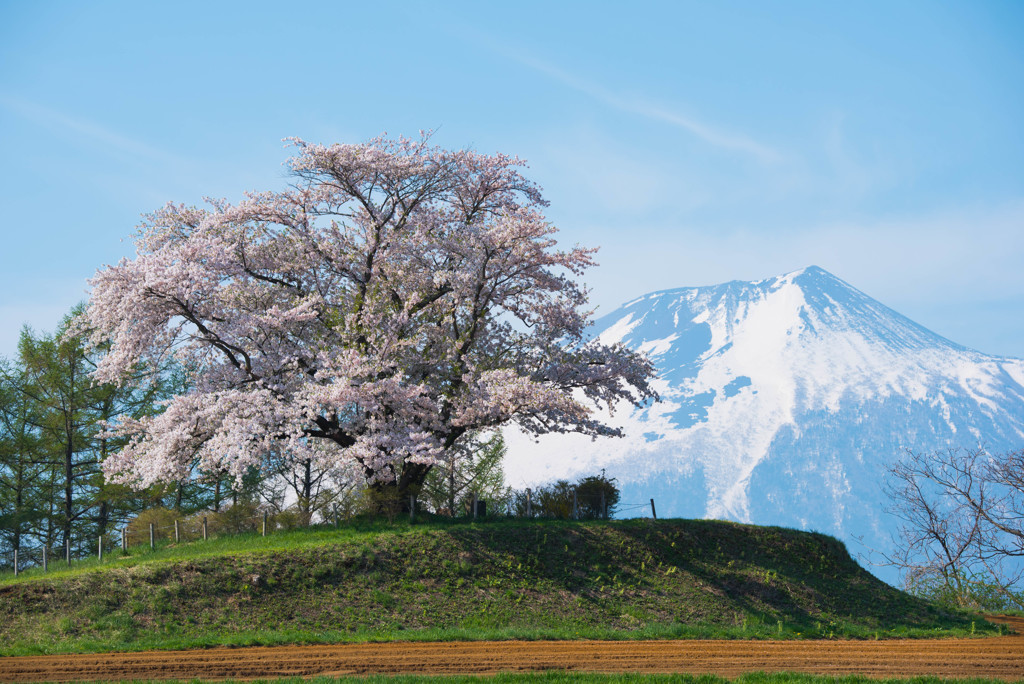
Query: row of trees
53,443
52,490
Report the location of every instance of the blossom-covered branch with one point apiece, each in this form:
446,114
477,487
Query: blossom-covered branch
396,298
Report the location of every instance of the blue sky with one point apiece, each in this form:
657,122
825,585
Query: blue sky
694,142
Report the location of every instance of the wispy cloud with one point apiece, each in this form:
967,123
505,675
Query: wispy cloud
85,130
708,133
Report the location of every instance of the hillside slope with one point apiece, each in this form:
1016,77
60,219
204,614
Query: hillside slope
625,579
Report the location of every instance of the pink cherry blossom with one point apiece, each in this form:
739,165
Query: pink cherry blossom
396,299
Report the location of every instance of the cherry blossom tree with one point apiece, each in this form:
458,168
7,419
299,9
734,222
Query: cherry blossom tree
395,299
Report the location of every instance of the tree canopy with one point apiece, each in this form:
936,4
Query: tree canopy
393,300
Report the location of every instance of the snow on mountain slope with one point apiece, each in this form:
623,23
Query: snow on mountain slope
782,402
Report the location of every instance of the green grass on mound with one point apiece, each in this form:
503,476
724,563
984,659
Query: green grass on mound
494,580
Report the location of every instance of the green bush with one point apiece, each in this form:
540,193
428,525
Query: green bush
958,590
556,500
384,500
291,518
163,526
597,496
244,516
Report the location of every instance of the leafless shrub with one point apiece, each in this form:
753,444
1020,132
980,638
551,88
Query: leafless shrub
962,538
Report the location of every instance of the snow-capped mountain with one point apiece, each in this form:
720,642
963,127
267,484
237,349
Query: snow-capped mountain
783,400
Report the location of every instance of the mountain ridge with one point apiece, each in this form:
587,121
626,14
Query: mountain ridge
784,400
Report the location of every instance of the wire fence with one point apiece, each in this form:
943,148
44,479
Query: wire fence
623,507
202,528
134,535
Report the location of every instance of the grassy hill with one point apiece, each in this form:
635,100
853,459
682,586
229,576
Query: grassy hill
526,579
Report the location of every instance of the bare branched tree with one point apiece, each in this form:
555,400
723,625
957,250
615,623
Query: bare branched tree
963,532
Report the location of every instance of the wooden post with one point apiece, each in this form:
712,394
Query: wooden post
412,508
529,503
654,513
100,547
264,523
124,539
337,524
45,559
474,506
67,551
15,562
575,510
152,538
204,528
604,506
177,533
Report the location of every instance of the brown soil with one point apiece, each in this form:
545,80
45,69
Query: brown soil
1001,657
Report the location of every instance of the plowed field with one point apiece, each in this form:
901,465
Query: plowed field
1001,657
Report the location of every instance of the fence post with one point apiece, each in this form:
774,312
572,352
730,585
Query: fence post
575,509
604,506
15,562
46,565
264,523
412,508
474,506
529,503
336,523
100,552
204,528
177,535
124,539
654,513
152,538
67,550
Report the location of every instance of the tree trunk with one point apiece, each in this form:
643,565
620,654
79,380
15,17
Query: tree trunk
103,518
307,489
69,454
69,480
451,487
18,503
409,482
